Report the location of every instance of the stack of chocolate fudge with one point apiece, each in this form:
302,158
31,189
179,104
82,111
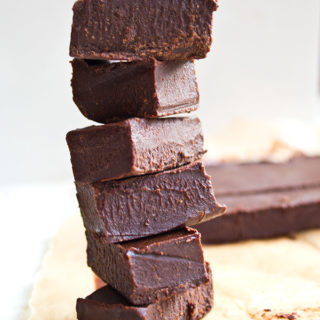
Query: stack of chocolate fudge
139,177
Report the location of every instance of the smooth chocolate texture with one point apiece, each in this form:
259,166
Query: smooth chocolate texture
146,205
134,147
106,303
149,269
106,92
267,215
247,178
127,30
263,202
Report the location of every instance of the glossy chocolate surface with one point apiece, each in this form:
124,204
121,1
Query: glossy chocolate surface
148,269
106,92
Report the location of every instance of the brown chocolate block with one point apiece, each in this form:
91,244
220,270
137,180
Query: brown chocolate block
106,92
265,200
124,30
149,269
247,178
134,147
146,205
106,303
264,216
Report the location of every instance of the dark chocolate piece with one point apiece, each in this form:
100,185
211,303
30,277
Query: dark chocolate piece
286,200
124,30
134,147
248,178
106,92
149,269
264,216
106,303
147,205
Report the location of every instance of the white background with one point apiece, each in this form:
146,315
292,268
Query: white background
264,63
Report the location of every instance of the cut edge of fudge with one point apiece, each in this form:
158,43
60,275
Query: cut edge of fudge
143,206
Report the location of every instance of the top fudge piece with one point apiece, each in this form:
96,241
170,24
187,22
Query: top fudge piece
135,29
134,147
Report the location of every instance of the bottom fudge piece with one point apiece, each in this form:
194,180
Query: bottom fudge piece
106,303
264,215
148,269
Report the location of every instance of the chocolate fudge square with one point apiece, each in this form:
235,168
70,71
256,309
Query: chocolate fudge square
106,92
147,205
135,29
134,147
142,270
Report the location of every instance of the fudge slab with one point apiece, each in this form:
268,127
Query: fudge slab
127,30
248,178
146,205
134,147
264,199
106,303
148,269
106,92
265,215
